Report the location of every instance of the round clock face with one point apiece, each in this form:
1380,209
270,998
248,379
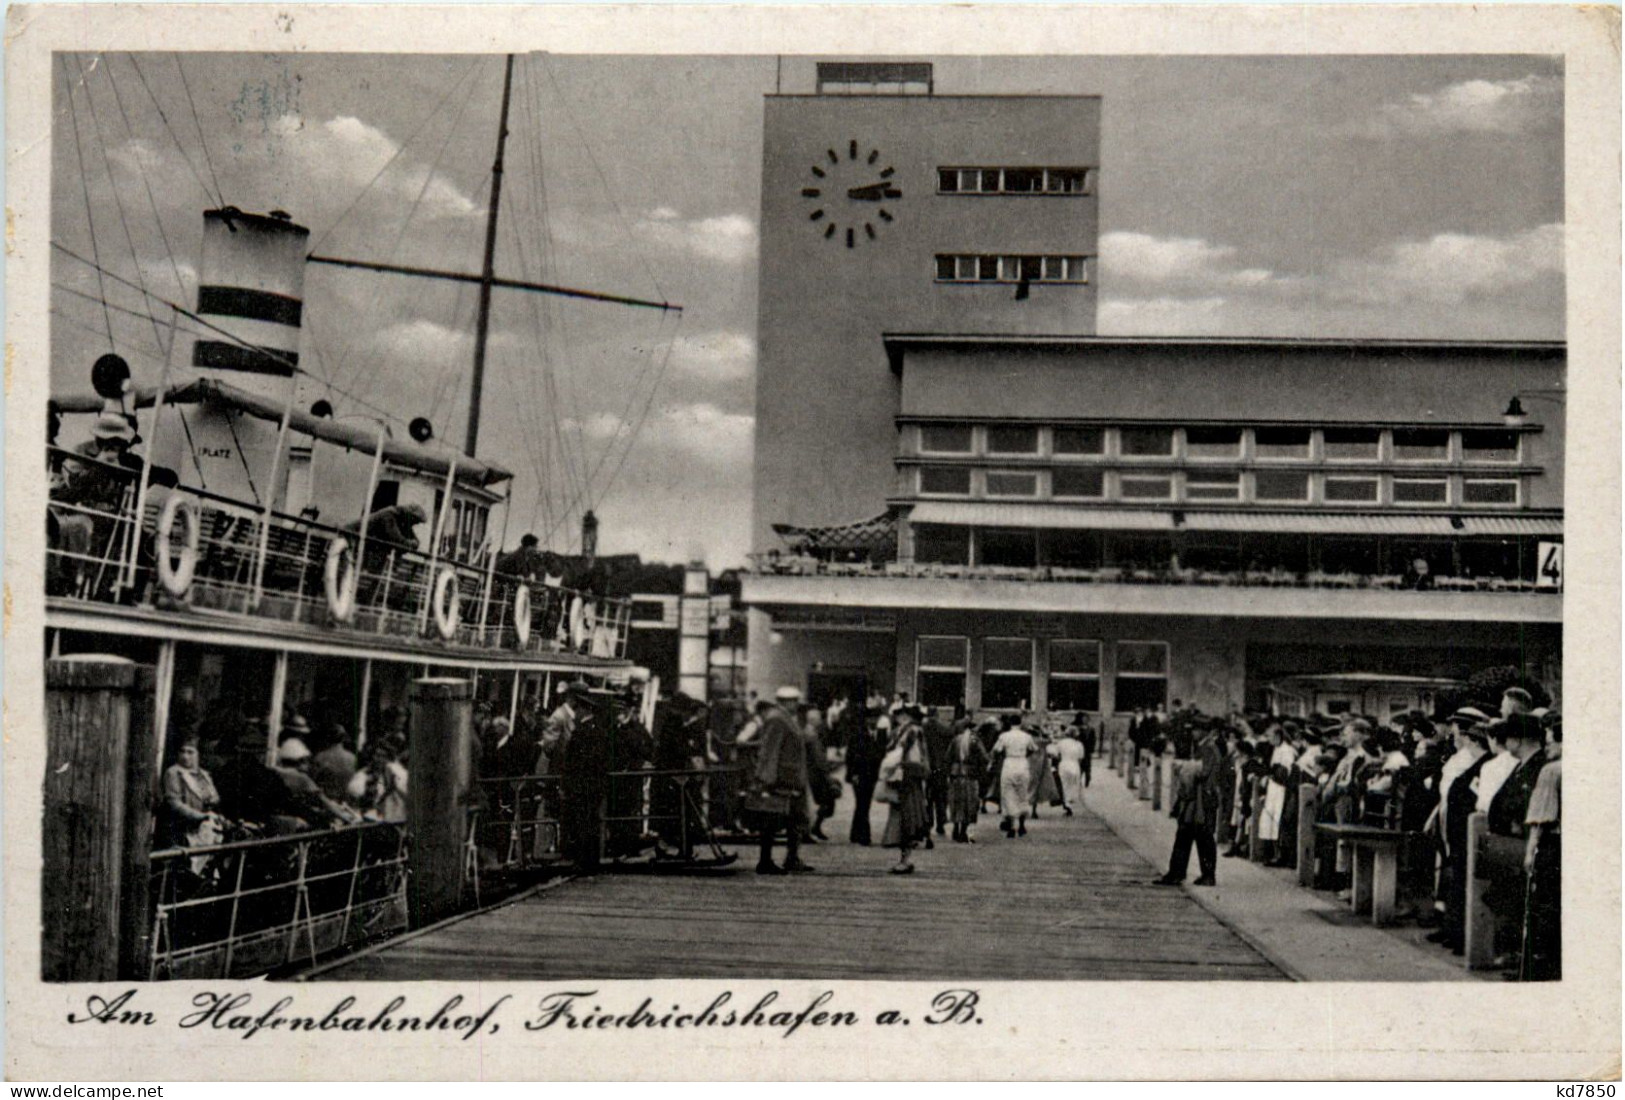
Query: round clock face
851,194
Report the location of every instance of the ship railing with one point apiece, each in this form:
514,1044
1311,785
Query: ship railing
240,565
780,565
251,906
90,538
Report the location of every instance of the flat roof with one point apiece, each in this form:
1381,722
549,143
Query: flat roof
927,339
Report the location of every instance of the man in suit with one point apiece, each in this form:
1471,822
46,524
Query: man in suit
938,736
781,775
1196,806
863,757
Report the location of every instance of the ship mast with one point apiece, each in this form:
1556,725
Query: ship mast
487,279
488,271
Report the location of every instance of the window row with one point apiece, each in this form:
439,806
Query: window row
1016,181
1202,486
966,268
1220,443
1475,557
1007,680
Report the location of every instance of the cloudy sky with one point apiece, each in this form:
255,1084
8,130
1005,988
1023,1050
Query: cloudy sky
1415,197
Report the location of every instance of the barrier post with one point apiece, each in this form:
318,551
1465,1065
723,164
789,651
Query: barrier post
1131,767
99,800
438,796
1479,931
1308,811
1156,783
1143,779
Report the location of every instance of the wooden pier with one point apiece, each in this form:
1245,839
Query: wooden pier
1070,901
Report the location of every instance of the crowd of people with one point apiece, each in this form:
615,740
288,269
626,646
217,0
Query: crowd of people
1422,778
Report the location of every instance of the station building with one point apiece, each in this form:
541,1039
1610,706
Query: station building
963,492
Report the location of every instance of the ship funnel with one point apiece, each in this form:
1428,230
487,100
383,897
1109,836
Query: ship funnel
250,299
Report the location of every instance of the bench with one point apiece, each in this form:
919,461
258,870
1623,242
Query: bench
1376,867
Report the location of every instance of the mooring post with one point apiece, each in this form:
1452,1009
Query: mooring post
438,795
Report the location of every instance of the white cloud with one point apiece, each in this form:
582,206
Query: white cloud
695,429
726,238
1129,258
1449,268
346,154
1475,106
724,356
1161,316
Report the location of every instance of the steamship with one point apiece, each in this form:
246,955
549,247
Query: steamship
236,558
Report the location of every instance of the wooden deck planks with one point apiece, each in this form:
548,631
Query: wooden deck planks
1068,902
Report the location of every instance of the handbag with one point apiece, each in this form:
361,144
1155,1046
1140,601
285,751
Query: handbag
891,765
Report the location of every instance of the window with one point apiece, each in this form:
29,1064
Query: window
1212,485
1072,549
871,77
1012,483
1489,446
1074,675
1213,443
1279,485
1080,441
1071,481
1023,181
1421,445
937,544
1143,442
1011,269
1067,181
1351,555
946,438
1281,443
1011,548
1351,490
1142,675
648,611
1479,490
939,679
1421,490
1145,487
1015,181
1007,673
945,480
1351,444
1012,440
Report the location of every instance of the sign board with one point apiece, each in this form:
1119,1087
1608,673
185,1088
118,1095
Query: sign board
1549,565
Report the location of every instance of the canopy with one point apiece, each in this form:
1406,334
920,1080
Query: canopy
352,436
1074,517
877,534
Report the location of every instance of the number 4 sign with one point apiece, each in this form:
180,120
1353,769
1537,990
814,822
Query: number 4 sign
1549,571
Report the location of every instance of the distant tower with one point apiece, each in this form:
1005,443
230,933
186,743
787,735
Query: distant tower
589,535
251,299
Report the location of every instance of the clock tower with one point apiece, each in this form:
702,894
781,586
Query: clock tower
888,207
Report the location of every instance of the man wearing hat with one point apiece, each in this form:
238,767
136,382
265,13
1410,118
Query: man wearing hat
390,530
1457,801
561,724
93,481
1525,741
781,783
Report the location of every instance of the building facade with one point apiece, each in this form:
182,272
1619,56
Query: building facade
963,492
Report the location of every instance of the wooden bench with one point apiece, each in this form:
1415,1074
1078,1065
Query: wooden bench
1376,867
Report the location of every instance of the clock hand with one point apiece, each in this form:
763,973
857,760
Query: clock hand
874,192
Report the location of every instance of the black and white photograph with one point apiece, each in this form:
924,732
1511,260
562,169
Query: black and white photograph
1033,520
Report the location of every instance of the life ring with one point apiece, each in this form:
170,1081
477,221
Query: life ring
339,581
578,608
176,577
447,603
521,615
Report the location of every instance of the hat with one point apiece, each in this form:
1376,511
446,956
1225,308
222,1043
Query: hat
292,751
1519,695
576,687
296,727
787,694
415,513
113,426
1469,716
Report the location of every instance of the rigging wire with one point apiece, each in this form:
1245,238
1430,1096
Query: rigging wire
146,183
187,157
203,142
118,198
84,178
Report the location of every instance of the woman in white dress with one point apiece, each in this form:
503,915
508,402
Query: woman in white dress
1069,752
1282,757
1011,751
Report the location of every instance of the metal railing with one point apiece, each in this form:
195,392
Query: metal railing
803,566
250,906
100,553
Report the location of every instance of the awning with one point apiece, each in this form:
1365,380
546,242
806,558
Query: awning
1084,518
359,437
877,534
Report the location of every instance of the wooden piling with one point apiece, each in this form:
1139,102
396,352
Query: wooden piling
439,794
97,829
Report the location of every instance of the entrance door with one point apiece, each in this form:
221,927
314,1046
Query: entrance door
825,685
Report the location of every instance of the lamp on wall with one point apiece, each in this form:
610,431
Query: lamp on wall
1515,414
